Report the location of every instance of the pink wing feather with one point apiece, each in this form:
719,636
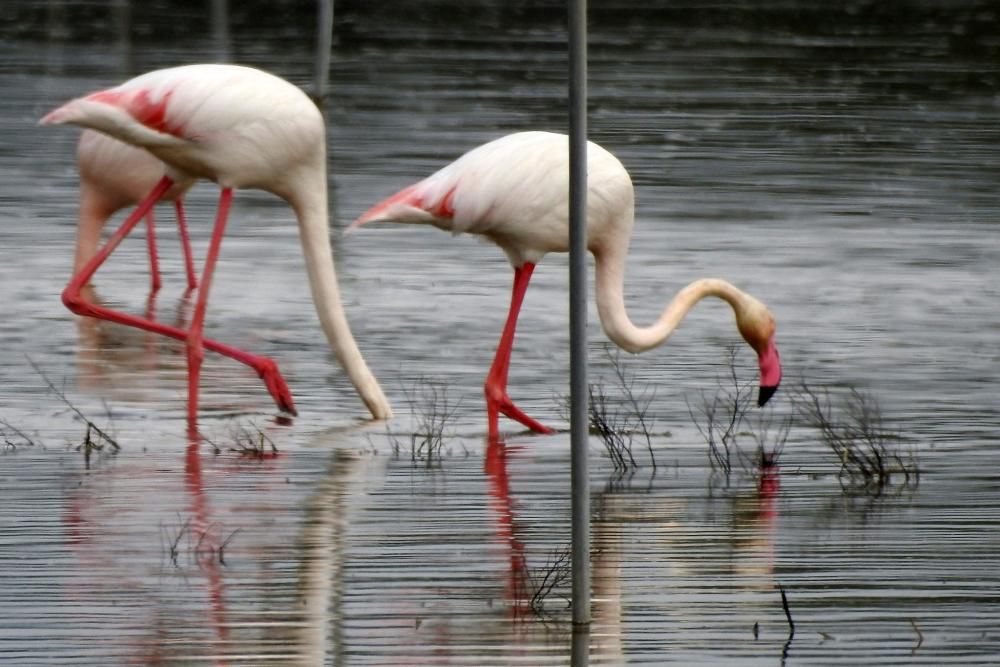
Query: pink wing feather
416,203
459,195
141,105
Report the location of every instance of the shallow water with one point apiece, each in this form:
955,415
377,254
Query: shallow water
839,164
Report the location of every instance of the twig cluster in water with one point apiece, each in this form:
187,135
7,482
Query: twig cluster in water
724,418
618,420
551,577
432,409
95,439
854,429
249,441
607,423
198,551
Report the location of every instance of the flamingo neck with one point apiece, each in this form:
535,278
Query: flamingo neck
610,278
310,205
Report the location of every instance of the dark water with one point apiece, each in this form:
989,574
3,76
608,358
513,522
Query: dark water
840,161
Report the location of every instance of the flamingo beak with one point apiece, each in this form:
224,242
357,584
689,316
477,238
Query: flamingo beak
770,373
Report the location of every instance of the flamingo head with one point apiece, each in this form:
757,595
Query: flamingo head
757,326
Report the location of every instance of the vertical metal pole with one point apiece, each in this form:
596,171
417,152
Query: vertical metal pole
220,30
579,426
324,42
122,16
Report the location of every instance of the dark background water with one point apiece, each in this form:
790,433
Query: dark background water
840,161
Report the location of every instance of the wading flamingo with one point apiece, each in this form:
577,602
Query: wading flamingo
515,192
242,128
113,176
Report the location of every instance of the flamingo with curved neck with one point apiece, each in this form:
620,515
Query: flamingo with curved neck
241,128
515,191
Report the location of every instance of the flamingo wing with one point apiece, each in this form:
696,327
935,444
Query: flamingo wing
519,179
239,126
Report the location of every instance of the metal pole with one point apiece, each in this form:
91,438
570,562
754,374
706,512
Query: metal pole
220,30
324,42
579,424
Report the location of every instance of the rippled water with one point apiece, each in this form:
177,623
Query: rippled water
840,163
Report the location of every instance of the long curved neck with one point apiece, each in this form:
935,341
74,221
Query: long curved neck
610,279
310,204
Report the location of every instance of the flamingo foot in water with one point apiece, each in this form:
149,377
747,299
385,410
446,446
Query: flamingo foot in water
276,385
499,403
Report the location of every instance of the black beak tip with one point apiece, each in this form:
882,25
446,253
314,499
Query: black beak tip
765,395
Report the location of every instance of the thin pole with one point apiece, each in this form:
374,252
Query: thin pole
324,42
220,30
579,426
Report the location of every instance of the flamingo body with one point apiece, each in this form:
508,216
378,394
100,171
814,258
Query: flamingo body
237,126
241,128
115,175
119,174
515,191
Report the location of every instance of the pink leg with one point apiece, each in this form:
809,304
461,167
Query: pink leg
182,229
154,262
151,306
497,400
74,300
195,339
154,267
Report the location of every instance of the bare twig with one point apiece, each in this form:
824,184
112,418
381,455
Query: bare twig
788,613
791,625
251,442
197,547
618,419
551,577
24,439
432,410
724,418
609,425
90,444
172,548
855,430
920,636
639,404
225,543
200,548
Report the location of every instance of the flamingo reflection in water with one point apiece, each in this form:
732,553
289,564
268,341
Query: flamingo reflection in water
185,565
111,533
746,545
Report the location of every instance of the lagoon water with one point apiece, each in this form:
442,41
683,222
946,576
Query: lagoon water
841,163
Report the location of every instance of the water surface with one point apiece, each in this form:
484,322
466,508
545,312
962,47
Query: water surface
839,163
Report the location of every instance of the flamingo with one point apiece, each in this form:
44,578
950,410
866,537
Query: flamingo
514,191
115,175
241,128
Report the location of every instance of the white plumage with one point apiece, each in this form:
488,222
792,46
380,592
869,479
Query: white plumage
515,191
116,175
